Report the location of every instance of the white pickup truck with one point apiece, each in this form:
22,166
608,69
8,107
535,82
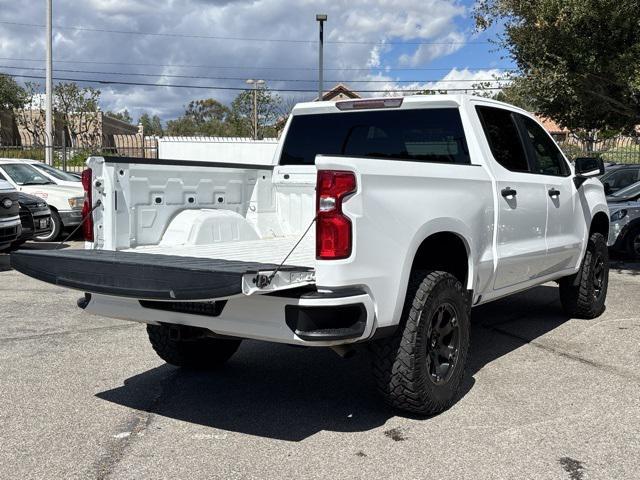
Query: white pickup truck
382,221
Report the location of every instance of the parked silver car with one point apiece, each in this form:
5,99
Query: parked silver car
624,227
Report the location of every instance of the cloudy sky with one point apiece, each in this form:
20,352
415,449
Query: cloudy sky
370,45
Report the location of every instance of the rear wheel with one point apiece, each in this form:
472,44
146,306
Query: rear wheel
194,352
56,229
633,244
420,369
583,295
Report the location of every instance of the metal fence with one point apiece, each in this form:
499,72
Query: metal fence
73,158
619,149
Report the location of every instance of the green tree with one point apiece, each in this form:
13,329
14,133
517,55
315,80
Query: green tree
30,116
577,59
269,110
202,117
152,125
78,110
12,95
122,115
514,92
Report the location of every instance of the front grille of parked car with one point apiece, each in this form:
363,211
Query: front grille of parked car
8,234
26,218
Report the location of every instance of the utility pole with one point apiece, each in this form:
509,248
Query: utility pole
320,18
48,134
255,84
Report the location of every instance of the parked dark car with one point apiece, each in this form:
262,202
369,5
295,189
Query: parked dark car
620,176
35,217
630,193
10,227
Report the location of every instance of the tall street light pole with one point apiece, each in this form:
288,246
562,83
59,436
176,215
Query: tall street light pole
255,84
48,135
320,18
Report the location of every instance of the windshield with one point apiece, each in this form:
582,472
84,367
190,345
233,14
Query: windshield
55,173
24,174
630,191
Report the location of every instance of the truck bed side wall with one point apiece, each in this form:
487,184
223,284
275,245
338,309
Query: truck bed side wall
398,205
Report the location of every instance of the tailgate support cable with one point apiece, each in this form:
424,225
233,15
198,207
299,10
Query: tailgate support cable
84,219
262,281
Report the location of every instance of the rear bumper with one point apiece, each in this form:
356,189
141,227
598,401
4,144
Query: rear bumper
316,319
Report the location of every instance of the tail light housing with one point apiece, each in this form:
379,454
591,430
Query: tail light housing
333,228
87,216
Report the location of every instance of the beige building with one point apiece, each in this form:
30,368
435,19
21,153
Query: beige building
85,130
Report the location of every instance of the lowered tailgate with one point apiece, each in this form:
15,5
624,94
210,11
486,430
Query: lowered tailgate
156,276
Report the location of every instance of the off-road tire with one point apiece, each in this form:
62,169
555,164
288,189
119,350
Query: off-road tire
56,229
197,354
400,362
583,295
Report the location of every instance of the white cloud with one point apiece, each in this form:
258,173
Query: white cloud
382,21
448,44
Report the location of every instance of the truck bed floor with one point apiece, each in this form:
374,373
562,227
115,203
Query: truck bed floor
272,250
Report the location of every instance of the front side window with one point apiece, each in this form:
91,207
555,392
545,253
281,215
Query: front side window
547,158
621,178
504,139
420,135
23,174
629,191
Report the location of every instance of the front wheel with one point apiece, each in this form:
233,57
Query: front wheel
420,369
633,244
583,295
56,229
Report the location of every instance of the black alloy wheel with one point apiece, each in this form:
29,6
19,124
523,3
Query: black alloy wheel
443,344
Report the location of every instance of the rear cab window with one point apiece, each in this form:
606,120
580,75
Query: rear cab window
417,135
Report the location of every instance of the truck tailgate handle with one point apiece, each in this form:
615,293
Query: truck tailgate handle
509,192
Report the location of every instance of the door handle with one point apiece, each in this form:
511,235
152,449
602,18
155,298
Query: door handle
554,193
509,192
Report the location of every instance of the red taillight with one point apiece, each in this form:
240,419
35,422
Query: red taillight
333,228
87,226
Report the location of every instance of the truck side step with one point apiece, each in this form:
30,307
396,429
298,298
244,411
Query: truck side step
140,275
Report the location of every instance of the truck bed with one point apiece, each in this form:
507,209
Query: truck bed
164,273
271,250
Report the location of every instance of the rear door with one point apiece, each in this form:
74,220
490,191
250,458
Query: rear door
522,201
565,231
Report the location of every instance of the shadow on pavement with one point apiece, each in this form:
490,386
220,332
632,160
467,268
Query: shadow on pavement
288,393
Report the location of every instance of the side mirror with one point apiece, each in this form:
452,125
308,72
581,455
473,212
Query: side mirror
607,188
587,167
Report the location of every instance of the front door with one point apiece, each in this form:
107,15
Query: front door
565,230
521,202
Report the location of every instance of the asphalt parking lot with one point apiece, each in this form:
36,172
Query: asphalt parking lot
546,397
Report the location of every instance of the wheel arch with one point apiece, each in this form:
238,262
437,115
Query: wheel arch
447,251
600,224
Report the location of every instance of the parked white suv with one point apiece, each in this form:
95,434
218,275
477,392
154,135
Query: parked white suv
423,207
65,201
